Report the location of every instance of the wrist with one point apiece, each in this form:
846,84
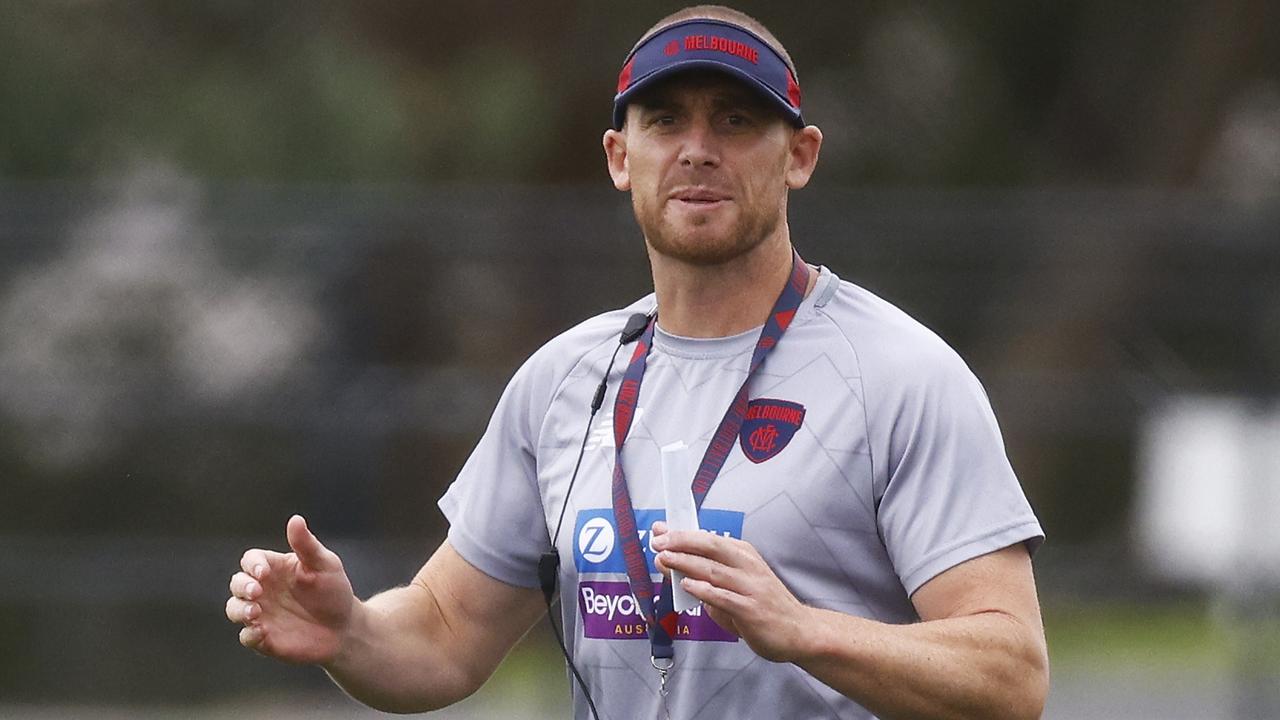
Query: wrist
349,637
814,633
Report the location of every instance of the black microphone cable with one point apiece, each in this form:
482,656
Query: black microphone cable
549,563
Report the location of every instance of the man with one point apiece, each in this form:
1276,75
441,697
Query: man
865,548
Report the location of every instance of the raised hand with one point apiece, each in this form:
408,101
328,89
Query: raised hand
294,606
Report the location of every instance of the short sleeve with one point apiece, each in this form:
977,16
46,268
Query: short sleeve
495,515
948,492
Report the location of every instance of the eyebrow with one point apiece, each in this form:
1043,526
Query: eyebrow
668,99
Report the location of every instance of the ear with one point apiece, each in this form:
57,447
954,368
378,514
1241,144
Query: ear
806,143
615,155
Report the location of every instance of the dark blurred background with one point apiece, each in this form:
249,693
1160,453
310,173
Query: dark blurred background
264,258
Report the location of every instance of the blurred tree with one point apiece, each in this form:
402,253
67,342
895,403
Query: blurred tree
929,93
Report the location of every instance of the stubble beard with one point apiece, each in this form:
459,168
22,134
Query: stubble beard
695,244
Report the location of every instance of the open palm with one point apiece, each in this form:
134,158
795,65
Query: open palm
294,606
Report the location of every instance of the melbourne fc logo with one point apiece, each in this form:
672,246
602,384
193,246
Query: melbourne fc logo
672,48
769,426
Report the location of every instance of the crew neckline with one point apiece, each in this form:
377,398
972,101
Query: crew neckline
731,345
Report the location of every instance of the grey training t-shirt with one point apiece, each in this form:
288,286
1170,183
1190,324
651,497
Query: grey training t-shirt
870,462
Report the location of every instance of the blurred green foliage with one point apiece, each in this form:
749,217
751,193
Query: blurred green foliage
1103,636
980,93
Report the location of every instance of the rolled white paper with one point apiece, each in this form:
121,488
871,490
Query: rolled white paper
681,512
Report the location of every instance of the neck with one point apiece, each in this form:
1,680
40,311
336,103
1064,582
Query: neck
706,301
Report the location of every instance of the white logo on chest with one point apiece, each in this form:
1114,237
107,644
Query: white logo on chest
602,432
595,540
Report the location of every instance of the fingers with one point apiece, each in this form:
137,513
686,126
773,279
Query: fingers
244,586
258,563
726,550
252,636
704,569
657,530
714,596
242,611
311,553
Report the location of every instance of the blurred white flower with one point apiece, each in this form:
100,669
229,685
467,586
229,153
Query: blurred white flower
243,337
136,310
1245,159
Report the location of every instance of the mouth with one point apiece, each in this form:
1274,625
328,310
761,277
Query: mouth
699,197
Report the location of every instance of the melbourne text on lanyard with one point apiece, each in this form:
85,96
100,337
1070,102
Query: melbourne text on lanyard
660,606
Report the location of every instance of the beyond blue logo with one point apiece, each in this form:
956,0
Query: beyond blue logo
596,547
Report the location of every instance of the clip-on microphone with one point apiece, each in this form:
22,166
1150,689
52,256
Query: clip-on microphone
549,563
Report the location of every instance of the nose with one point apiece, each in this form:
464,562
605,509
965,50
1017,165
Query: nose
699,147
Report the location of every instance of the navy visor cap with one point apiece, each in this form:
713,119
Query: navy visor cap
709,45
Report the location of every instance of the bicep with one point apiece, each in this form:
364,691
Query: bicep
989,604
482,616
1000,581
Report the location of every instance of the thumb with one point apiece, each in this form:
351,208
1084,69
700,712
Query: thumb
312,554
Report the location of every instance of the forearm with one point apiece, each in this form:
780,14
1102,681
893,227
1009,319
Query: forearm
396,654
987,665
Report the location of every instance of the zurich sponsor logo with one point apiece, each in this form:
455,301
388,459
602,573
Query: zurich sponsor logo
595,540
597,548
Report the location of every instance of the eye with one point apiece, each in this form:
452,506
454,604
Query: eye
659,119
